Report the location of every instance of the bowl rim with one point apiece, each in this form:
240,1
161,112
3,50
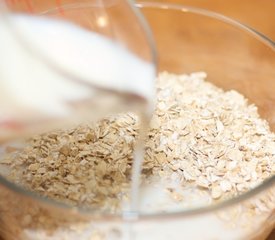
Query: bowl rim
138,217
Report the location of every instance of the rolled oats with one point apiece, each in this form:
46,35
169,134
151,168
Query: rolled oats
208,138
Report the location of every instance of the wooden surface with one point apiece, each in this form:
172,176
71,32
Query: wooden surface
272,236
259,14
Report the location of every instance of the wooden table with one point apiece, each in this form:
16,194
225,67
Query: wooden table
258,14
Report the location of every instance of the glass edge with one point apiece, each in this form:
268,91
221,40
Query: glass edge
148,32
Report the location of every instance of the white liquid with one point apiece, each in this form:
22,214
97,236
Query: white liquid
154,197
26,81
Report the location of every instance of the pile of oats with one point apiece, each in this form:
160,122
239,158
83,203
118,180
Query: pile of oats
208,138
87,165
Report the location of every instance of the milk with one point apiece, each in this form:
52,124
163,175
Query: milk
155,199
38,54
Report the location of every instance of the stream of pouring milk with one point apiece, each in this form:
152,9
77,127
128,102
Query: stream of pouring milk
28,83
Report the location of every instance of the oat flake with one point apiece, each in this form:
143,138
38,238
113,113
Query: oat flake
208,138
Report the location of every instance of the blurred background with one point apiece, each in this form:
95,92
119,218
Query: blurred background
259,14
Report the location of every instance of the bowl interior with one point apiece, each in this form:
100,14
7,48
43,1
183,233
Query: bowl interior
232,56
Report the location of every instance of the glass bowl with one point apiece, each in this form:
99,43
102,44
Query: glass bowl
188,40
